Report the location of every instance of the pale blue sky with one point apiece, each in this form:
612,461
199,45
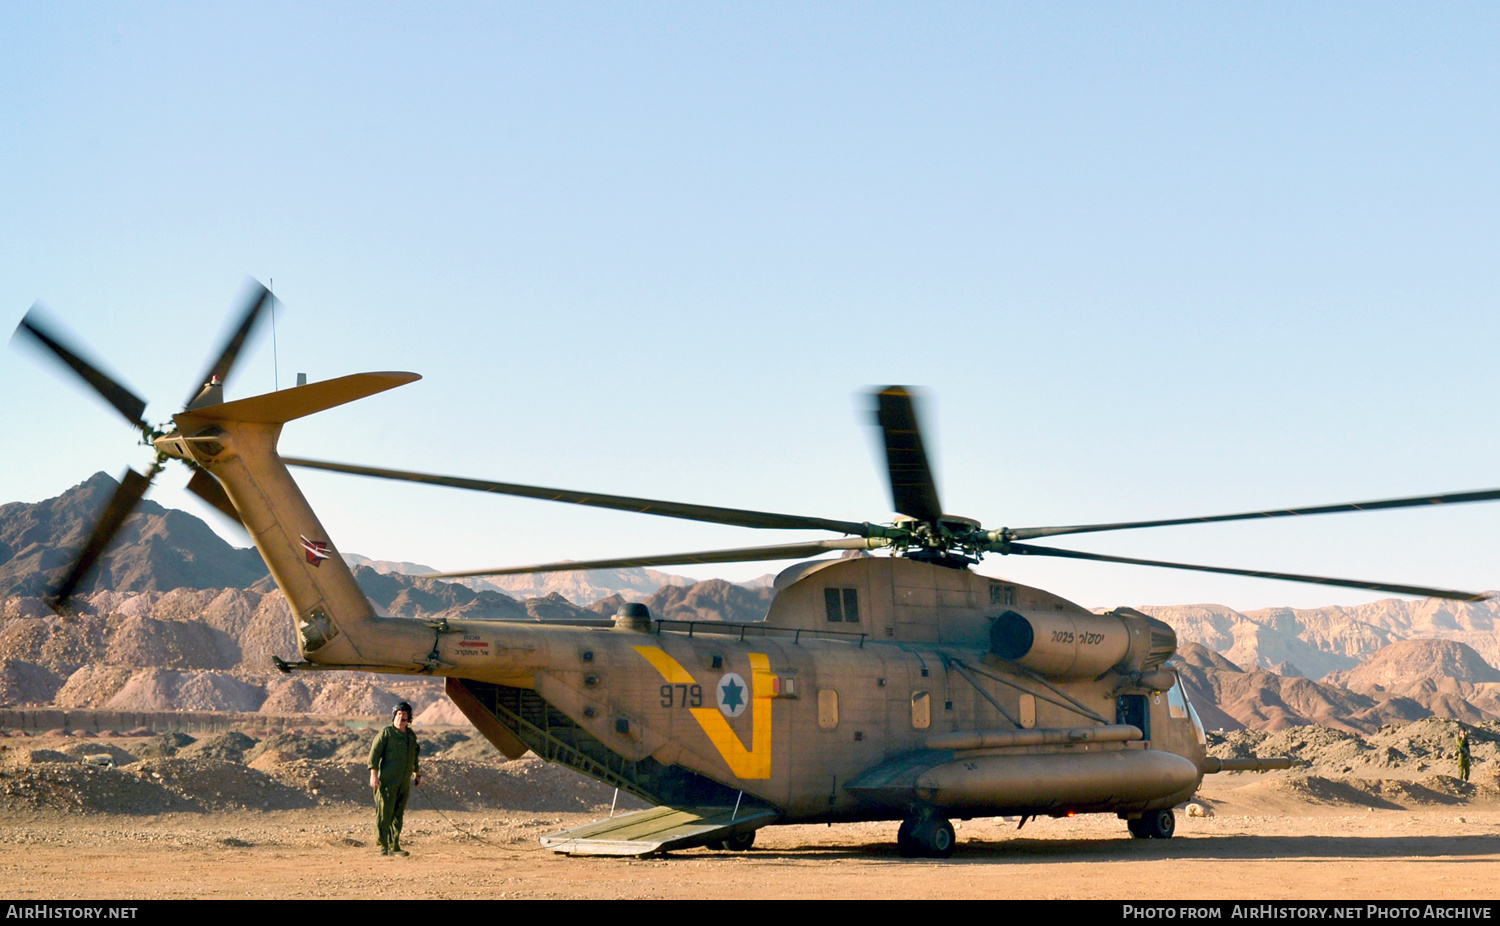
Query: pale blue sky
1146,260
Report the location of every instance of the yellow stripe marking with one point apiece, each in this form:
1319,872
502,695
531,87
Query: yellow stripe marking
670,669
752,763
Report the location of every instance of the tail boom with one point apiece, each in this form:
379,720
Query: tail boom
236,442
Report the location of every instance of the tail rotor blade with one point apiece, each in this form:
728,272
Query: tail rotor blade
132,487
130,405
255,303
208,488
913,490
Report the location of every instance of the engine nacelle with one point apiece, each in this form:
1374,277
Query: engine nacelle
1066,646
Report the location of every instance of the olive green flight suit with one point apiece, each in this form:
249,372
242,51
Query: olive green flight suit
393,756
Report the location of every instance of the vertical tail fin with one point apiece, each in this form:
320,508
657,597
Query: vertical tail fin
236,442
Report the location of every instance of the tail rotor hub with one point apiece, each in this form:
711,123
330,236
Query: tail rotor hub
166,440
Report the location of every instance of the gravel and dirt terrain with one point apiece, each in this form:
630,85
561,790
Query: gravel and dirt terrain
232,816
1258,846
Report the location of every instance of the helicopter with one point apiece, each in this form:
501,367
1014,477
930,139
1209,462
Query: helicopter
901,687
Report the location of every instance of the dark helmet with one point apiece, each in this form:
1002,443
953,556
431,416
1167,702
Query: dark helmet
401,706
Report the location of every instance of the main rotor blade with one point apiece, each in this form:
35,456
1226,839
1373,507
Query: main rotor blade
712,514
1415,501
1033,550
208,488
255,302
913,491
126,402
132,486
741,555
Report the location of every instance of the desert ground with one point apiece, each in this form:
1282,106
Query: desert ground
1262,854
280,826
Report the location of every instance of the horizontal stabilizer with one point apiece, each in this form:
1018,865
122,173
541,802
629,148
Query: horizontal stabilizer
299,401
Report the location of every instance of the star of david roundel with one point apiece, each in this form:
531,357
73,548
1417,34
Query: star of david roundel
734,695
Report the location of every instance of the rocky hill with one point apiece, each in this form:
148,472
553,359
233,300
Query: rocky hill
1399,750
1405,681
582,588
1229,698
186,649
158,548
1403,666
709,600
1314,642
1444,676
1389,661
261,770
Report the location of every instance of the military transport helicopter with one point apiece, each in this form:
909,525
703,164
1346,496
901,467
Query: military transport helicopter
899,687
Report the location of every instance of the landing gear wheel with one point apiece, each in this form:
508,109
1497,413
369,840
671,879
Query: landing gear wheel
740,842
932,838
905,843
1153,824
1163,824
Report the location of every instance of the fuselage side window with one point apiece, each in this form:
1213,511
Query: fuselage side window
834,604
842,605
851,606
1004,595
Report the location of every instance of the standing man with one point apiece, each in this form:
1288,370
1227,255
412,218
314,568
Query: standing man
1461,753
393,771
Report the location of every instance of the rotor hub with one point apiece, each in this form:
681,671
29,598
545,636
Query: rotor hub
949,540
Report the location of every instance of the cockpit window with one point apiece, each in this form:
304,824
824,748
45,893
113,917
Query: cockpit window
1179,707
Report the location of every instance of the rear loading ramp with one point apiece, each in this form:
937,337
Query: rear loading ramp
658,829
